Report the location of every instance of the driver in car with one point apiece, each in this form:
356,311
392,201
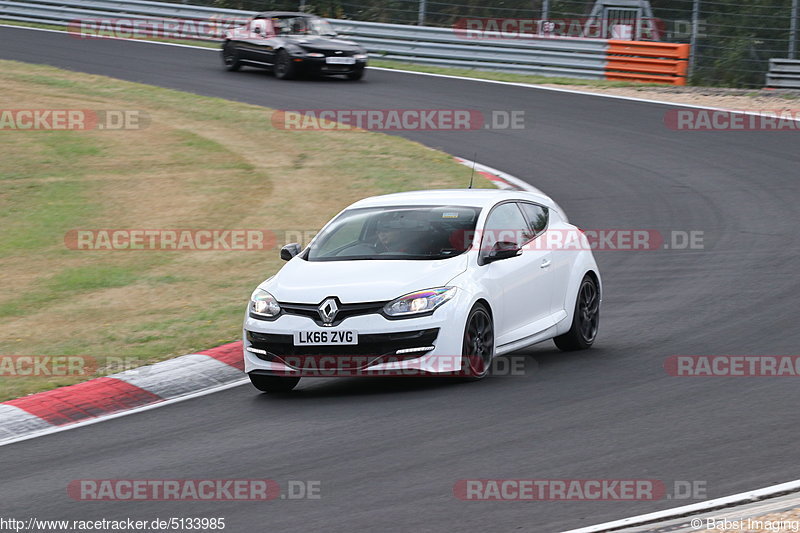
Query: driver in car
392,235
389,239
299,26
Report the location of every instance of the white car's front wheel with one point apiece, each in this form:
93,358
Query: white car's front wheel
478,347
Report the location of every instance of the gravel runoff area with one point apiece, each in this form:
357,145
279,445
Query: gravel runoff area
770,100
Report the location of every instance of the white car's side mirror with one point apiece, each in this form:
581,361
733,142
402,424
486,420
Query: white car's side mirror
290,250
502,250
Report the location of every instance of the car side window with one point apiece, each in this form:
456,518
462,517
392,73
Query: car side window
537,216
505,223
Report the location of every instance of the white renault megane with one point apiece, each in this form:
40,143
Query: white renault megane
424,283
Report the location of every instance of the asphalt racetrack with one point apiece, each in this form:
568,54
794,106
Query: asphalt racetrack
388,452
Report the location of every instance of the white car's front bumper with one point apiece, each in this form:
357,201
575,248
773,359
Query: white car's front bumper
378,336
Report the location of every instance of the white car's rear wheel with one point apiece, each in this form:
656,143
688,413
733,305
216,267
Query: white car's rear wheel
585,320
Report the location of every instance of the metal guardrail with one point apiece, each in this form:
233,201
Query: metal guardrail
784,73
581,58
39,10
64,13
548,56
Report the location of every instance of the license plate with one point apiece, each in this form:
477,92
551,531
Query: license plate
340,60
327,337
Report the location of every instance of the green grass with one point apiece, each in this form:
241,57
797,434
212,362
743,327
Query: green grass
48,82
67,283
91,277
35,212
32,24
504,76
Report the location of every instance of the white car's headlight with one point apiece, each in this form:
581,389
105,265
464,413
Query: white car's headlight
419,302
264,304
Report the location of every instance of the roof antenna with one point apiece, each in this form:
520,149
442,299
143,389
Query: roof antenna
474,157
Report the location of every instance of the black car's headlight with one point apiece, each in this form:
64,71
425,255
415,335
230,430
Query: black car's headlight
264,304
360,56
314,54
420,302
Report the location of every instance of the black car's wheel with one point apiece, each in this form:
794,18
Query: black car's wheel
284,68
356,75
273,383
230,56
478,346
585,321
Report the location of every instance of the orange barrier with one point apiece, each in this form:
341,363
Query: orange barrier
647,62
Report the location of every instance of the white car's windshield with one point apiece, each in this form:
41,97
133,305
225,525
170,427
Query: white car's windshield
418,232
303,26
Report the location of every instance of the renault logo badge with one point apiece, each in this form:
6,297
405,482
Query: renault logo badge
327,311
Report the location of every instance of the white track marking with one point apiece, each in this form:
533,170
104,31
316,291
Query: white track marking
743,497
16,421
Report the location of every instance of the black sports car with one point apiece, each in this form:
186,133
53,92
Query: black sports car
290,44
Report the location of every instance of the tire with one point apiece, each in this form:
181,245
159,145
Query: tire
273,383
230,56
585,320
477,349
356,75
284,68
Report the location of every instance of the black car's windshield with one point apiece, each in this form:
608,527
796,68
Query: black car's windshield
418,232
303,26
